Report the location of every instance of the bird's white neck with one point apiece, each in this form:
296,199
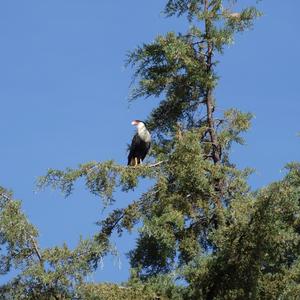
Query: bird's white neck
144,133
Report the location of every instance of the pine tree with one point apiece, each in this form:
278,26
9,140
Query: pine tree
203,234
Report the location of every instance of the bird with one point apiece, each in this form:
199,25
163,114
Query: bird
140,144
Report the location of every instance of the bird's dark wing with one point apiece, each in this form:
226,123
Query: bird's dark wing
133,150
145,149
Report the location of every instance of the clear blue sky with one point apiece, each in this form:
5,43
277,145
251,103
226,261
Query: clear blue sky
64,91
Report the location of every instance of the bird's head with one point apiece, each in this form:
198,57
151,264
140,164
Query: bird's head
139,124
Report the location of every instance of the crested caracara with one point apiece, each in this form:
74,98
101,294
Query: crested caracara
140,144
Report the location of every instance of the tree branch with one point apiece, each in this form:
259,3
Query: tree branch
36,249
150,165
156,164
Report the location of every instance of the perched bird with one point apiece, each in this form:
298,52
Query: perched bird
140,144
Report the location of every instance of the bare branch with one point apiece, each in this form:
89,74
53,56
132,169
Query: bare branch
148,166
36,248
156,164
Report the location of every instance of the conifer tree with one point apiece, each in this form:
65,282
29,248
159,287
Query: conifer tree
203,234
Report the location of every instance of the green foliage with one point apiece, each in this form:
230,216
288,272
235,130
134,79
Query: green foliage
51,273
169,65
258,250
113,292
16,234
101,179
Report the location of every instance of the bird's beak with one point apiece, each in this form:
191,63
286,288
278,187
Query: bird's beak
134,123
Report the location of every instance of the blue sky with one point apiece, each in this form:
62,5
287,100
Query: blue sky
64,100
